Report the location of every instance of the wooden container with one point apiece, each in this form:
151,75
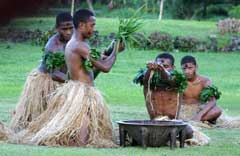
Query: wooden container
152,133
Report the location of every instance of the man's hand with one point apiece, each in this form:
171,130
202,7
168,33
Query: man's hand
121,47
103,55
154,66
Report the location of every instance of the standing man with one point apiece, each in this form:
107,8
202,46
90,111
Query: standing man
41,82
192,109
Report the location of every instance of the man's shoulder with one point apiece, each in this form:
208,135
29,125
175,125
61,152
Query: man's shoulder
206,81
52,42
75,47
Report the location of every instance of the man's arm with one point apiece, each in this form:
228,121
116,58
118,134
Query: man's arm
59,76
156,67
207,106
104,56
96,71
106,64
102,65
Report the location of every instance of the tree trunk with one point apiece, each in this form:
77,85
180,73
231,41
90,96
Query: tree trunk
146,6
72,8
161,10
110,5
204,9
90,6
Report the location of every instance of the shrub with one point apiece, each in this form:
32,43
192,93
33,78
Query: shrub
95,40
229,25
162,41
42,37
20,36
141,41
213,43
235,12
234,45
218,9
185,44
202,46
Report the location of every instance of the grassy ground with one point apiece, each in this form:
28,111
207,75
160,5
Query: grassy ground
124,98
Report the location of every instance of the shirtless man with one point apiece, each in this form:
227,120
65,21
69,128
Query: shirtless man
164,98
78,51
77,114
40,82
57,43
191,97
164,63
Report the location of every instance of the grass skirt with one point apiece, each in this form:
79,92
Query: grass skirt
33,99
224,121
76,116
199,138
4,132
187,112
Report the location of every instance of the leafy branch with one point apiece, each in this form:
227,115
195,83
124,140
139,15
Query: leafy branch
126,29
94,54
53,60
210,91
158,82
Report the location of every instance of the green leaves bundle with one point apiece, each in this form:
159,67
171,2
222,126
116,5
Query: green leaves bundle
126,29
125,34
158,82
139,77
180,80
53,60
210,91
94,54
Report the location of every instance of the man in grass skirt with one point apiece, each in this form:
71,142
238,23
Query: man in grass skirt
77,114
43,81
200,99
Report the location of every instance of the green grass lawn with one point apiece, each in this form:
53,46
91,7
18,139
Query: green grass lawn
124,98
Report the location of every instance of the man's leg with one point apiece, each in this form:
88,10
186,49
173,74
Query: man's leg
83,135
212,115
